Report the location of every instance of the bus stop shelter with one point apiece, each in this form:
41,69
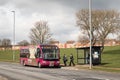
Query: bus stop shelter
83,57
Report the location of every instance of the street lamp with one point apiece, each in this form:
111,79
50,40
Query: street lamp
13,34
90,25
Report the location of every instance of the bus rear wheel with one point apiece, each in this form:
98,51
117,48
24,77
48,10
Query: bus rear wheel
39,65
24,64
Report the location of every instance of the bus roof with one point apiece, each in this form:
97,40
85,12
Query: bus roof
40,45
47,45
24,47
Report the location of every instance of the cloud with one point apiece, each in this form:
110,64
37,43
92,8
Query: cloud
105,4
3,2
5,24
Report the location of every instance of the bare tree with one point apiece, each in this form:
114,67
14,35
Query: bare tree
118,38
23,43
40,33
0,42
6,43
104,22
53,41
83,39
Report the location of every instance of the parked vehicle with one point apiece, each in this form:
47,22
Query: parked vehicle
41,56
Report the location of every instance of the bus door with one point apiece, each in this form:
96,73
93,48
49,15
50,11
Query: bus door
38,55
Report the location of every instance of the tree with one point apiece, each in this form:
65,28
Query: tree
40,33
104,22
6,43
118,39
83,39
53,41
0,42
23,43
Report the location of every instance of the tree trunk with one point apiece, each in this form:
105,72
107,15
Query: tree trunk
102,46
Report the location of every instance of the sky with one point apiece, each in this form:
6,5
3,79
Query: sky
60,15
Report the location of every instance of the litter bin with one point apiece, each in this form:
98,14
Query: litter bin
96,55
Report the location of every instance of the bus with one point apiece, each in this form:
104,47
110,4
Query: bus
41,56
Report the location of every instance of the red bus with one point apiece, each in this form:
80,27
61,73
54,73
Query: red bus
41,56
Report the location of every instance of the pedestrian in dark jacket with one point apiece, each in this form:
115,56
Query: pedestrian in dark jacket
71,60
65,60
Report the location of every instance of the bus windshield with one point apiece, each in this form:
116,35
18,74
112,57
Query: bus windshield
50,53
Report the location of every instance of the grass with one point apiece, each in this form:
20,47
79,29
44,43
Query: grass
67,52
7,55
110,57
106,69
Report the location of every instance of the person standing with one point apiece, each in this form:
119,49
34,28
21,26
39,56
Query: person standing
71,60
65,60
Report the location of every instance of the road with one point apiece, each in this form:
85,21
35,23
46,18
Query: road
14,71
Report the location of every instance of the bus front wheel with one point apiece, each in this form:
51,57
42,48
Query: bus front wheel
39,65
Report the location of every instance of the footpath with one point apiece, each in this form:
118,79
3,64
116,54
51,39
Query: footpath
3,78
95,68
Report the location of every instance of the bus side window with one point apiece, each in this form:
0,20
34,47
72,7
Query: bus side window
38,53
27,53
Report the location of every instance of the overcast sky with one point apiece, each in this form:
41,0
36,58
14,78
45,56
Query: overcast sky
60,15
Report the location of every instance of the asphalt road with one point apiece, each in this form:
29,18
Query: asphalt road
14,71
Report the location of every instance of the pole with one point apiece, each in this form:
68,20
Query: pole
90,25
13,35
